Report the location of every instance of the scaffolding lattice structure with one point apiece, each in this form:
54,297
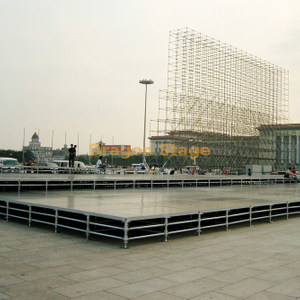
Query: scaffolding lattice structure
220,97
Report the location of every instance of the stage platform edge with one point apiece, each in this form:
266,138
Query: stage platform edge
128,229
56,183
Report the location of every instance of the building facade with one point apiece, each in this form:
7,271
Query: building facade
44,154
277,146
286,141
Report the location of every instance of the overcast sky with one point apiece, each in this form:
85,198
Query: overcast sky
73,66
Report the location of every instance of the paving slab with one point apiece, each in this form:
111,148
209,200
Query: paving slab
257,262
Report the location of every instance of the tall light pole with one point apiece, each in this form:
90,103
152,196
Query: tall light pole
146,82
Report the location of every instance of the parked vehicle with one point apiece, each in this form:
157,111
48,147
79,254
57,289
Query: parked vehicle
47,164
46,167
9,165
63,165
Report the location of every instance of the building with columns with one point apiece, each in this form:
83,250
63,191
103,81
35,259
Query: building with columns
286,140
276,145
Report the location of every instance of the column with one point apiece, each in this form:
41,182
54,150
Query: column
290,149
298,149
282,149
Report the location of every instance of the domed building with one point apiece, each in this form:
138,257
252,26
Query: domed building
42,154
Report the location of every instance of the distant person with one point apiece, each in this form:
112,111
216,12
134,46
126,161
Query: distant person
72,153
189,171
288,173
293,173
100,164
249,172
173,172
200,172
161,170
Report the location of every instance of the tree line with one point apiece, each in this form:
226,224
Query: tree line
28,155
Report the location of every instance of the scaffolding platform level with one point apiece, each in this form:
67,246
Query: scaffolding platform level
139,212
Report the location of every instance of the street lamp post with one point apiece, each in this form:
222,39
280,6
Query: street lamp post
146,82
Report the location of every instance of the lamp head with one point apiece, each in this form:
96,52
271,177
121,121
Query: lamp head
146,81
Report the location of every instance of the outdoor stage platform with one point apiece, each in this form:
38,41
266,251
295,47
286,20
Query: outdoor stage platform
22,182
95,206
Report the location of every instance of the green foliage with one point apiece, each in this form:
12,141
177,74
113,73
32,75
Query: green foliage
119,161
83,158
28,155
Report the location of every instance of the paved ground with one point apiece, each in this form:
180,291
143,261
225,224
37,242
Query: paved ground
257,262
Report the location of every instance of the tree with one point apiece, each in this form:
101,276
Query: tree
28,155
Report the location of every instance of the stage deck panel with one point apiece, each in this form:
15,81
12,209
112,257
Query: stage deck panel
137,203
128,214
22,182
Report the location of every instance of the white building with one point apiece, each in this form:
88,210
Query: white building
42,154
286,141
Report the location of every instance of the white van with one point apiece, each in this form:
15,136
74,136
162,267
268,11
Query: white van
65,164
8,164
137,166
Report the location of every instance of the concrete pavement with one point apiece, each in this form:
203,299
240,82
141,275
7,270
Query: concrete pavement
254,263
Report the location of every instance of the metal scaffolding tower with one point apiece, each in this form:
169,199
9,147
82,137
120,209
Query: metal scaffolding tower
221,97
